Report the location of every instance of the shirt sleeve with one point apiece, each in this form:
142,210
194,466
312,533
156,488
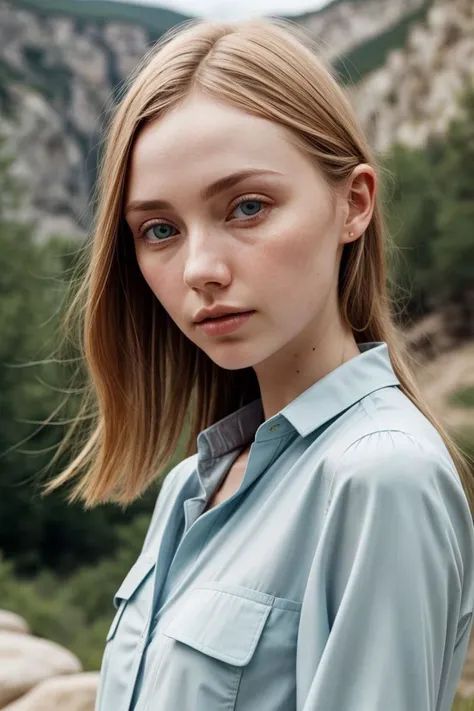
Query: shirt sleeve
390,588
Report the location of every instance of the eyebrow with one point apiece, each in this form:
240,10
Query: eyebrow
206,194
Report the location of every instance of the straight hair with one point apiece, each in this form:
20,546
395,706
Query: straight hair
146,382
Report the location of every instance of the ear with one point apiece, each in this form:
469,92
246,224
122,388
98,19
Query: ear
360,195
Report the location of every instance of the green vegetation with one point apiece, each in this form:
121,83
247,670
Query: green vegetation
463,397
429,195
75,611
461,704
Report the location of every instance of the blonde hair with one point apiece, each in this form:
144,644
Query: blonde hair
146,381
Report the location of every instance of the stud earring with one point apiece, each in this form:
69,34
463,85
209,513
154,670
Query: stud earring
351,234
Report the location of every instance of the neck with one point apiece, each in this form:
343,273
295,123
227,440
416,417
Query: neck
289,373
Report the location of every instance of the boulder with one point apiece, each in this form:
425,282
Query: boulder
75,692
26,660
11,622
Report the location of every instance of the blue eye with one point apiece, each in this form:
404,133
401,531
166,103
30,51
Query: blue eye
159,231
253,206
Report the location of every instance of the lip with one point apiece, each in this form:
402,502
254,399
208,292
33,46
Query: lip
225,324
217,311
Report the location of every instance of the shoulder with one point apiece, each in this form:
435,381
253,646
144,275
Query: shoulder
178,474
396,484
398,467
387,454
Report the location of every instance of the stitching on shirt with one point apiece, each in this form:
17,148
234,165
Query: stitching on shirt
235,690
242,595
359,439
281,603
211,651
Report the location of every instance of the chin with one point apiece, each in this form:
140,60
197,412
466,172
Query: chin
231,361
235,356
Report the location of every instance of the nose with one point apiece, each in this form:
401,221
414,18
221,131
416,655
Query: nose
206,261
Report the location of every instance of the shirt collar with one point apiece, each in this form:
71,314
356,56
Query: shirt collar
324,400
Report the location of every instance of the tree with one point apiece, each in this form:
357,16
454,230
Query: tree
430,213
453,248
36,531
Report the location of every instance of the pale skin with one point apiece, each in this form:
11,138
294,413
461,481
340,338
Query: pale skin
271,243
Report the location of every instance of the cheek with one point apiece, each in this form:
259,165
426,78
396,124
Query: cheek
159,278
298,257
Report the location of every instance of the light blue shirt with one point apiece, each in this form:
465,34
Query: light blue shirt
338,577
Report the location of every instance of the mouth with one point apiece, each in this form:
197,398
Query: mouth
224,325
225,316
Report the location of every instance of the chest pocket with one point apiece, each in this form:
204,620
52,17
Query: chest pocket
131,591
208,645
132,601
221,624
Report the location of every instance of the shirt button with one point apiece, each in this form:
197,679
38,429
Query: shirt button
274,427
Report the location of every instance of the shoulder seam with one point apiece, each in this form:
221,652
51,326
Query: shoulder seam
359,439
367,434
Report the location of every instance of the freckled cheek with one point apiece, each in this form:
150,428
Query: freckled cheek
294,271
161,281
286,258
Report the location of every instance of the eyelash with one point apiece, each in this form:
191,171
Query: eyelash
247,198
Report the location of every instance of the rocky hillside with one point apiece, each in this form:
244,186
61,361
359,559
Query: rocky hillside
344,26
61,61
415,94
58,72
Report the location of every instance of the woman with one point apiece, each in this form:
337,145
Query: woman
316,552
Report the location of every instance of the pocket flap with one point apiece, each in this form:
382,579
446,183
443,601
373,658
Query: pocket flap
225,625
134,577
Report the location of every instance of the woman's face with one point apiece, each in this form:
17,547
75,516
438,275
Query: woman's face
269,242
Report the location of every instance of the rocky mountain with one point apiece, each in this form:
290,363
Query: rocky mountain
62,61
346,25
415,94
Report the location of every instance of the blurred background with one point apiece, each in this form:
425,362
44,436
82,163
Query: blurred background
408,66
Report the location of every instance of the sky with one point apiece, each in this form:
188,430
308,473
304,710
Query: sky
237,9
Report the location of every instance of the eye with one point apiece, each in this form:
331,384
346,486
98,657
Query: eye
158,230
153,232
251,207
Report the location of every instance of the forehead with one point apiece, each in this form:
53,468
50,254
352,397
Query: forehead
203,123
203,139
